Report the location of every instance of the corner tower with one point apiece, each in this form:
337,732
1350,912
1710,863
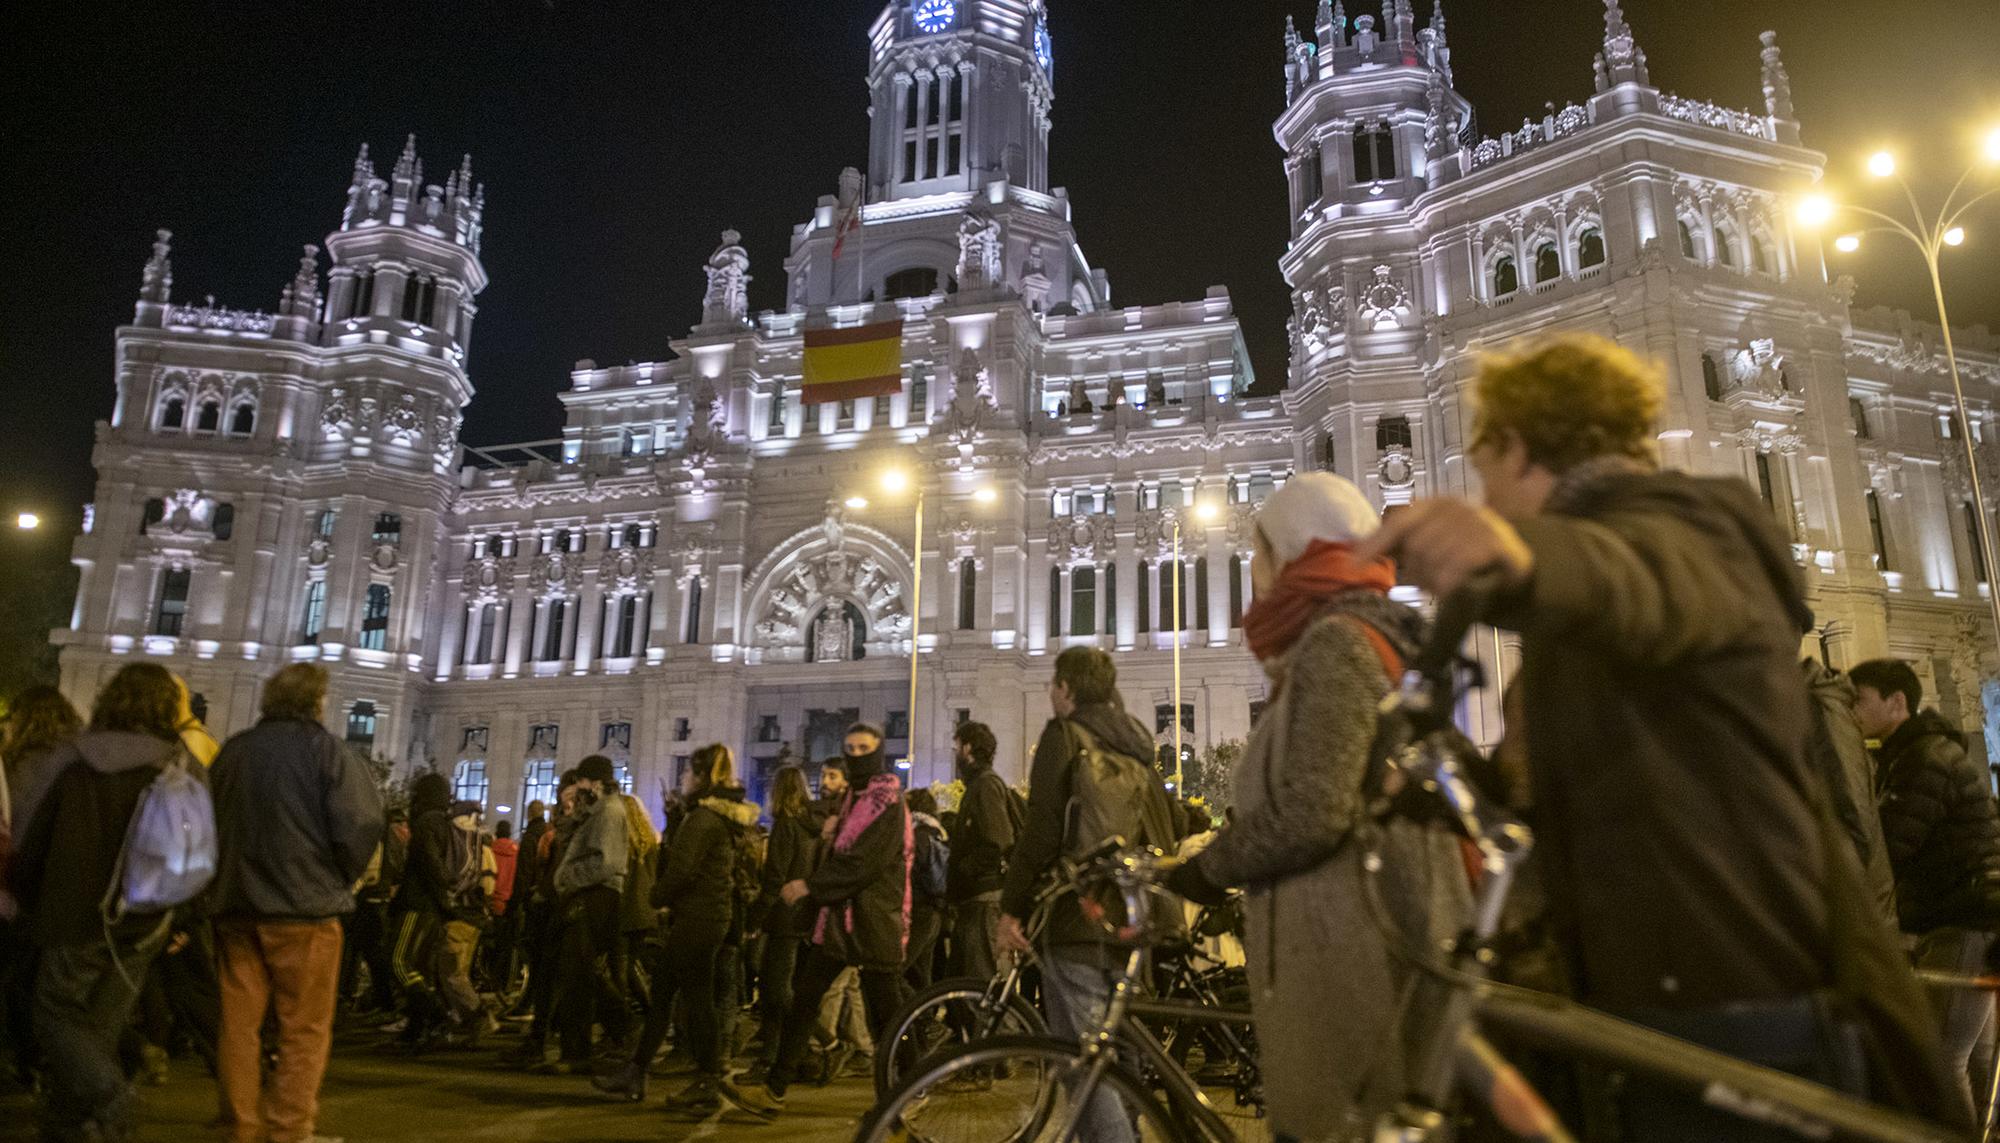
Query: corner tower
960,92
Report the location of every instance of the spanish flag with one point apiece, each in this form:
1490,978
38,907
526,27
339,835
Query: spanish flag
857,361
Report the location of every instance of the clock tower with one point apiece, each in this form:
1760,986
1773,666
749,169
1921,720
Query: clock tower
960,97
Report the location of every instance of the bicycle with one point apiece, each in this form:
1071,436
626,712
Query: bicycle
1040,1087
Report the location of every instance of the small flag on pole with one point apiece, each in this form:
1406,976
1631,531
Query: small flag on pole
853,362
848,223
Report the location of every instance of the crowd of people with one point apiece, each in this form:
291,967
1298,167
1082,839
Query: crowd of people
1742,855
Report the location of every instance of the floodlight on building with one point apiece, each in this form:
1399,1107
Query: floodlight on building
27,521
857,503
1847,243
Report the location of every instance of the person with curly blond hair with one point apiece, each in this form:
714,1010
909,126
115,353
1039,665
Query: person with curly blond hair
1692,879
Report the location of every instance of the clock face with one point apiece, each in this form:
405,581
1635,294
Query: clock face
1044,48
935,16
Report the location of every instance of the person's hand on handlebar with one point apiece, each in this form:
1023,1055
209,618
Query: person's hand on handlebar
1440,544
1184,879
1010,938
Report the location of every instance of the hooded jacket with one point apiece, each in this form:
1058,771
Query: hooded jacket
596,853
1849,773
426,885
696,879
863,887
64,859
506,858
1941,827
1668,731
1046,828
297,818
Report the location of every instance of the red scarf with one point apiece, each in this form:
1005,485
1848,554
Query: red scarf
1278,617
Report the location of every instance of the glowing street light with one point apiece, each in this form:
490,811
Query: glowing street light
1931,235
895,480
857,503
27,521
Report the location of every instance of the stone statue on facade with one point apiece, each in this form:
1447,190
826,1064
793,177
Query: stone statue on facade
978,251
728,298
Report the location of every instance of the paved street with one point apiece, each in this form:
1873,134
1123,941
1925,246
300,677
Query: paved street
372,1097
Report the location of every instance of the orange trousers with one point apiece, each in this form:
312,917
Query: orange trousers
294,968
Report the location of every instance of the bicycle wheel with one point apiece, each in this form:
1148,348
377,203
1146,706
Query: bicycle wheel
1014,1089
948,1014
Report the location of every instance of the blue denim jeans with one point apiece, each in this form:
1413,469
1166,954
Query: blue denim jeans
1074,996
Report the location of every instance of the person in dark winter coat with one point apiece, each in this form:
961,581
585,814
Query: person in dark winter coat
788,857
696,884
589,882
1942,830
1081,953
981,839
298,819
1332,642
420,909
926,912
66,856
862,894
1849,772
1695,880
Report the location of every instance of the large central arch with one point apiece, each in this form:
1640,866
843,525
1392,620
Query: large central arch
829,567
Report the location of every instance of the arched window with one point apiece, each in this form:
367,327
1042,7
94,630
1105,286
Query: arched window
211,417
1760,255
1725,248
1688,250
1506,279
1083,601
243,421
375,619
1548,263
968,594
1590,248
315,617
1711,377
173,414
916,282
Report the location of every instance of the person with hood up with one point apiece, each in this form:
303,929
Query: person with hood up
1082,954
422,904
980,843
298,819
87,984
862,895
696,884
1332,643
1942,830
589,882
1694,879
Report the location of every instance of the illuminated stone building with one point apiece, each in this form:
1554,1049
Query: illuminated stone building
683,564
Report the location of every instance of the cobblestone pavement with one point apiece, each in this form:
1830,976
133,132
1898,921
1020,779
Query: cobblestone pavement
465,1097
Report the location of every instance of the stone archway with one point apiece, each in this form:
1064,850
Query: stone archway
832,568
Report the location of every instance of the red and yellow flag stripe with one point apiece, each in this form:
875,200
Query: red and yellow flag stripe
854,362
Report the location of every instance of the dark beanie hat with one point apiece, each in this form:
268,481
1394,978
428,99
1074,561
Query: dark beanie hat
597,768
430,791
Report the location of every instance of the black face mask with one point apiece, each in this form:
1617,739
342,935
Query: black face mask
862,767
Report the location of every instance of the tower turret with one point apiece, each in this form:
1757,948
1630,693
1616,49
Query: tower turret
961,94
156,281
406,259
1778,92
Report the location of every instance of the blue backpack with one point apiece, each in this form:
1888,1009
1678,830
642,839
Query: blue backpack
929,874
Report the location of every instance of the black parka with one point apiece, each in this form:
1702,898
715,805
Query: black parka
1941,826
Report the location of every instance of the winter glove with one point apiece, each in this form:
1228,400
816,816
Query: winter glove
1186,879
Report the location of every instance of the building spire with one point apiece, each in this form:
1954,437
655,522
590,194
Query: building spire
1622,60
1777,84
156,284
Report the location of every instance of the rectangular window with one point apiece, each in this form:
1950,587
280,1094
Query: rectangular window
1111,599
468,781
683,730
388,529
1083,601
767,728
1876,532
1145,596
910,159
920,397
323,523
315,617
375,619
1201,594
692,634
1235,591
897,725
361,726
1972,539
172,611
1315,180
1163,717
489,619
968,594
777,423
538,782
552,636
1765,487
1393,433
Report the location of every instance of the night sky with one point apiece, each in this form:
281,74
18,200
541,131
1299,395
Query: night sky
616,141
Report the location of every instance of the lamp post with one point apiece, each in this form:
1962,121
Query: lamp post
1931,235
1203,512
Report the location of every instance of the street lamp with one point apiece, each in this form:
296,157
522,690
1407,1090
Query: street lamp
27,521
897,481
1931,235
1203,511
